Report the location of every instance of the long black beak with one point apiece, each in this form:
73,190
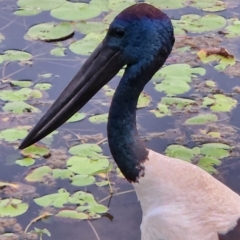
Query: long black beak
103,64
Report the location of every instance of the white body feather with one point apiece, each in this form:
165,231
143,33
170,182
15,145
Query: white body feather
180,201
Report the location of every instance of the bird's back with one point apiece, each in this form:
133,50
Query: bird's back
180,201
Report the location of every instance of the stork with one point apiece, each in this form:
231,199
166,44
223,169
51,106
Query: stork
179,200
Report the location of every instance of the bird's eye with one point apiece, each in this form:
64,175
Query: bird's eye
117,32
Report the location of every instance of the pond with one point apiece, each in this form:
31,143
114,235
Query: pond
67,186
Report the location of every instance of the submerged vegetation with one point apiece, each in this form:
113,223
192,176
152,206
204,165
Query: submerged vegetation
187,106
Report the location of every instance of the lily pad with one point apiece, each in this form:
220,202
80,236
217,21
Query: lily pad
170,4
15,55
161,111
197,24
215,150
173,87
82,180
181,152
35,151
86,45
220,103
13,134
210,6
179,103
43,86
144,100
85,150
86,166
79,11
219,55
50,31
57,200
91,27
180,71
38,174
100,118
62,173
12,207
76,117
25,162
202,119
23,84
26,12
234,29
74,214
58,51
119,5
19,107
19,95
208,163
43,5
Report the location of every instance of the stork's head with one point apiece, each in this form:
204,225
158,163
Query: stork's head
140,32
140,37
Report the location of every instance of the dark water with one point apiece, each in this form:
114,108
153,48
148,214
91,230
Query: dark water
124,208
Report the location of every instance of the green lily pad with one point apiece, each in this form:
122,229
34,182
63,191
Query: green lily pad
85,150
86,166
100,118
74,214
23,84
43,5
234,29
38,174
35,151
210,6
26,12
181,152
86,45
208,163
101,4
201,119
13,134
170,4
144,100
19,95
119,5
78,11
58,51
82,180
25,162
45,75
62,173
179,103
12,207
43,86
215,150
15,55
109,18
91,27
50,31
57,200
197,24
222,57
161,111
102,183
180,71
76,117
173,87
220,103
19,107
108,91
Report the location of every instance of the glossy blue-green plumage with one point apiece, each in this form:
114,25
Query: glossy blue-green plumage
145,45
